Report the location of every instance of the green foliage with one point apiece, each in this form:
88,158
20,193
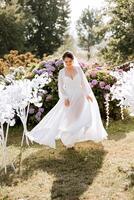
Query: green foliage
121,30
69,43
36,26
87,29
11,29
47,22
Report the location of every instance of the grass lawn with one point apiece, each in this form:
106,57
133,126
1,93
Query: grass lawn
93,171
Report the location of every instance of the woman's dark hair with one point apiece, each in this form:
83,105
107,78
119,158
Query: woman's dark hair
68,54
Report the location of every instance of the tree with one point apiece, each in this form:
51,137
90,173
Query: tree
11,29
47,22
87,29
120,44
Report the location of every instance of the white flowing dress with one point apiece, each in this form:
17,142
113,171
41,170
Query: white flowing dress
74,123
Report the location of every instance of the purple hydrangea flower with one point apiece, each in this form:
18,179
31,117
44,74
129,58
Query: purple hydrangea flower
39,71
91,85
31,110
38,114
47,65
44,71
94,82
99,68
107,87
93,74
50,68
50,72
36,71
51,62
58,63
38,118
41,110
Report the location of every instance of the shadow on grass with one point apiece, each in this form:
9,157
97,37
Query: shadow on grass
15,137
74,170
118,129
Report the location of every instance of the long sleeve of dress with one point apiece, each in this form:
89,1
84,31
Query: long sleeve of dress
84,83
61,91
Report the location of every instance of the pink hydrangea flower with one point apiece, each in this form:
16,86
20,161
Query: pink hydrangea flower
93,74
102,84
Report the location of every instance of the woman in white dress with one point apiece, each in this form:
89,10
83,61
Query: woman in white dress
76,116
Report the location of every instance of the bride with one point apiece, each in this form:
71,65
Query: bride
76,116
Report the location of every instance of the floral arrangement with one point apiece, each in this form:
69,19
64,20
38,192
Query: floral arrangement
17,99
101,80
14,59
123,90
50,95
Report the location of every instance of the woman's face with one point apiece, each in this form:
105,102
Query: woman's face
68,62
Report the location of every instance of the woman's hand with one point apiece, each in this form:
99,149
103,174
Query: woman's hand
89,98
67,102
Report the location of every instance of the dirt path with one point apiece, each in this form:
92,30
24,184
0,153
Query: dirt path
103,171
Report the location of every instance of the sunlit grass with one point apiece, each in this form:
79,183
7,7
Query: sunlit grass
81,174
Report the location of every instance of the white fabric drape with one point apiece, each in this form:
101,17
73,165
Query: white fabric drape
61,91
80,121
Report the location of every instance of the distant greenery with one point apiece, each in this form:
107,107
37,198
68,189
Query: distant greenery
11,29
121,29
46,25
87,29
41,27
114,25
36,26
